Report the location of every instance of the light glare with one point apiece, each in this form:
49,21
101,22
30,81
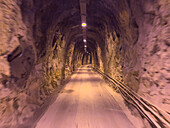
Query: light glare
83,24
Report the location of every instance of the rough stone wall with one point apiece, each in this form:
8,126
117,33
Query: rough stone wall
27,75
69,60
99,56
44,78
16,61
77,57
153,47
114,68
15,44
139,54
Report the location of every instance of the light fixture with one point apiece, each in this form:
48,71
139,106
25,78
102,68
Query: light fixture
84,40
83,24
85,46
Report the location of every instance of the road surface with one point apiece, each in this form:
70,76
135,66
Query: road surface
84,103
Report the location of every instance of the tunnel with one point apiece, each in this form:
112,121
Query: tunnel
44,43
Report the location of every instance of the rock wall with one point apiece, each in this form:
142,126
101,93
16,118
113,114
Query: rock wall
29,70
153,19
16,60
69,65
138,53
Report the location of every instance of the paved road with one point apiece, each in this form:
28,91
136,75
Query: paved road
84,103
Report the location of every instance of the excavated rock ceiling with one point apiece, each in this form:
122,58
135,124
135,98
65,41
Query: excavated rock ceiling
65,16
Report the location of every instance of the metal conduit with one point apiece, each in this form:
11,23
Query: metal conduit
155,116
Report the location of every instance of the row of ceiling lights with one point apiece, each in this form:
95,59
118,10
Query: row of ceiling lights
84,25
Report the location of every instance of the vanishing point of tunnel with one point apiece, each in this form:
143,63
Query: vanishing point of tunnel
84,63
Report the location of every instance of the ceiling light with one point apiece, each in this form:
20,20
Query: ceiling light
85,46
83,24
84,40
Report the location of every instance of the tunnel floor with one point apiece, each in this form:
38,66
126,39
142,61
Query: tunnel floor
84,103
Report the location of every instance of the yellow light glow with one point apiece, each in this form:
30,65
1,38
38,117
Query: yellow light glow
83,24
85,46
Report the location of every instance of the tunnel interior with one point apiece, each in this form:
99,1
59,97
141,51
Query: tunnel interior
42,44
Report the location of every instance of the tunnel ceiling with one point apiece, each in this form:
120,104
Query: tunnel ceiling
65,16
